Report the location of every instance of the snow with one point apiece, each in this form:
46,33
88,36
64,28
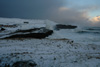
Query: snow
50,53
57,50
60,34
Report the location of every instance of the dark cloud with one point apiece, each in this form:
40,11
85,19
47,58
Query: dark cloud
28,8
56,10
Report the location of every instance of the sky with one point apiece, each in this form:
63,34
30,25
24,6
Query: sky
83,12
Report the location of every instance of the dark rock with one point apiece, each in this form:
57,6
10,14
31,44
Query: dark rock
61,26
24,64
26,22
2,29
31,33
7,65
29,30
54,58
7,26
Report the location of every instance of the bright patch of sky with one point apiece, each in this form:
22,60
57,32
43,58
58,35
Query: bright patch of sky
91,6
94,13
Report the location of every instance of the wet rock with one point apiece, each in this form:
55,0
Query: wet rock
24,64
2,29
7,65
38,33
9,26
62,26
26,22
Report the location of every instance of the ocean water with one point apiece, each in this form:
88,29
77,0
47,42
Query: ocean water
83,35
87,34
91,34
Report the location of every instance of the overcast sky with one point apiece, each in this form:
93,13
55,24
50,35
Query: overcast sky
62,11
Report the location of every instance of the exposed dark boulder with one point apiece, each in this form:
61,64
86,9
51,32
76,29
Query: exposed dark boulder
38,33
61,26
2,29
11,26
7,65
23,31
24,64
26,22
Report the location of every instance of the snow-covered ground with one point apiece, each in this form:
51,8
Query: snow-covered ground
64,48
50,53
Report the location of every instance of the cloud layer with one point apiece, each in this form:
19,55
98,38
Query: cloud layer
28,8
62,11
95,21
